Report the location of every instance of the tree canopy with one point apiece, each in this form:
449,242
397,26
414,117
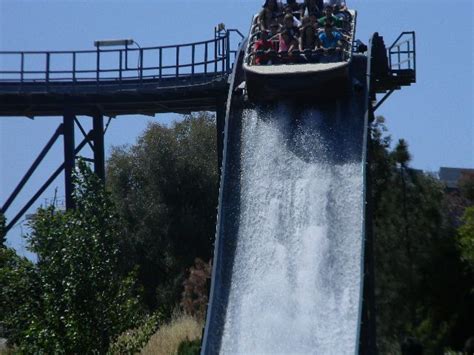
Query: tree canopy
165,187
422,285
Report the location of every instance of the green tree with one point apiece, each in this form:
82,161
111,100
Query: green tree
3,234
165,188
80,302
466,237
19,294
421,284
466,185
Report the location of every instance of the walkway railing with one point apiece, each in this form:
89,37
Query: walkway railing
402,53
125,64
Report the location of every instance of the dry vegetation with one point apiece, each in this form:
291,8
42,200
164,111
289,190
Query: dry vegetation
167,339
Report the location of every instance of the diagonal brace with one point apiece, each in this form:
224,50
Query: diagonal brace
33,168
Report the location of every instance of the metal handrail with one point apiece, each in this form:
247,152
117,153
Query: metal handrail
405,52
207,57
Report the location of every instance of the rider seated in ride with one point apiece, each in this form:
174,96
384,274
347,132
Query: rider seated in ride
291,25
331,42
312,7
313,18
309,40
270,12
329,16
343,13
341,4
292,6
274,29
263,49
287,44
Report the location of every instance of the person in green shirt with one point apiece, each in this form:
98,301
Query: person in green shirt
330,18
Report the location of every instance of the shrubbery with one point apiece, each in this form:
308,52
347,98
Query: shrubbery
132,341
73,300
196,289
167,340
190,347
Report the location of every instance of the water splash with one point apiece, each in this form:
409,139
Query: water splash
296,277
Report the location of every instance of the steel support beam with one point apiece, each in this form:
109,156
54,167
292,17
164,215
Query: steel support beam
369,333
45,186
99,151
220,127
387,95
33,168
69,156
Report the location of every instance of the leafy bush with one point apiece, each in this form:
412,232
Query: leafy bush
74,299
2,230
168,338
132,341
18,276
196,289
466,237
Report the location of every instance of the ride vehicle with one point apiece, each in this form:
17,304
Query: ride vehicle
322,76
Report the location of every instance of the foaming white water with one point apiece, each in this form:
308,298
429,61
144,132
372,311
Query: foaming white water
296,275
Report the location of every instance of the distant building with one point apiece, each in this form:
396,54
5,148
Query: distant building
452,176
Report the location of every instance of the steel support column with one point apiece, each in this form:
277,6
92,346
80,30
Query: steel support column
368,344
99,152
69,156
220,127
367,338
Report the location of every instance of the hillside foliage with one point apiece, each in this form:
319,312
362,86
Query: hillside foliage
422,283
119,265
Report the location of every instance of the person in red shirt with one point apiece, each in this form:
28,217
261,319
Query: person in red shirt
263,49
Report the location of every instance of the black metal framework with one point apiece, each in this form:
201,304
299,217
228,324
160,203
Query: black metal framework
121,65
94,138
397,69
111,82
402,53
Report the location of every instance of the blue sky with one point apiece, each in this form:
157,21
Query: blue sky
435,115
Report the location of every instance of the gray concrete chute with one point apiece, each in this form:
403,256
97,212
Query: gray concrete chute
288,260
293,264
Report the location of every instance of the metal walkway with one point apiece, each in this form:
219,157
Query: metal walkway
176,78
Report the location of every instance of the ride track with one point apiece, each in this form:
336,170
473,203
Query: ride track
259,301
325,141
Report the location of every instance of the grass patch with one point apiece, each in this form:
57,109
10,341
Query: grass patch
167,339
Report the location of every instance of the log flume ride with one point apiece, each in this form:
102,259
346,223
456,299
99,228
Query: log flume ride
289,253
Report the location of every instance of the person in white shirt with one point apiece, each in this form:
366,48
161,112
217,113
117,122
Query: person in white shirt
334,2
340,3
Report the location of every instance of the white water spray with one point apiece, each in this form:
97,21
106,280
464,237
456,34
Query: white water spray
297,270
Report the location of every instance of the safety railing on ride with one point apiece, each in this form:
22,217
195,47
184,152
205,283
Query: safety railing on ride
297,56
402,53
209,57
